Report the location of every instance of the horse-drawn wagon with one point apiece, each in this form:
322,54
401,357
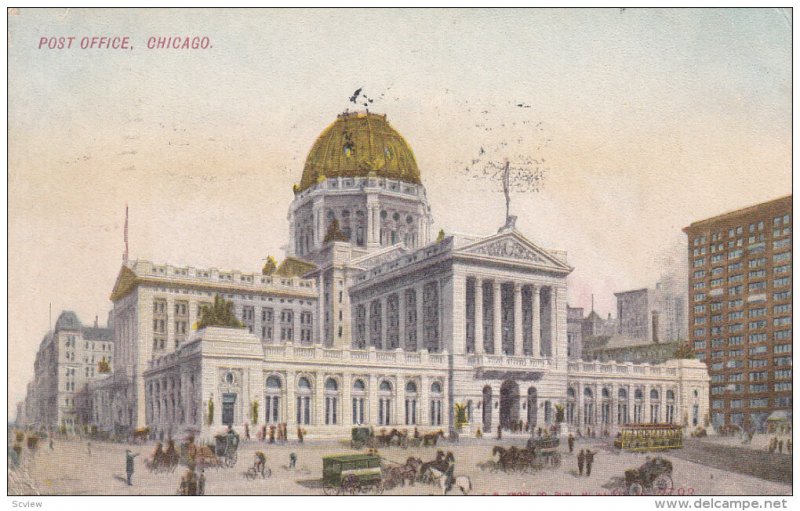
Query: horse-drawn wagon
352,474
361,437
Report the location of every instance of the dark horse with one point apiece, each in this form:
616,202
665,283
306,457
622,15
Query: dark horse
432,438
441,463
507,457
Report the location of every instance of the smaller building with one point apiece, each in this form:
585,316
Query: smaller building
69,357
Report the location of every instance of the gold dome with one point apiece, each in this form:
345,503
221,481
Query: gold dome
356,145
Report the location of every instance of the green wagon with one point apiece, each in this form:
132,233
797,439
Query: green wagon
351,474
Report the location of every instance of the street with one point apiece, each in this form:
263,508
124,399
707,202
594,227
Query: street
69,469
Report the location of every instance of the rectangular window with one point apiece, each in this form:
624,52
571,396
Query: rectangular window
735,290
754,313
755,325
758,376
716,306
757,338
783,348
699,274
783,295
735,340
700,285
783,361
782,321
719,270
735,315
783,334
735,266
735,353
756,274
757,263
699,309
784,281
699,297
760,362
779,244
757,286
779,258
717,258
786,268
758,387
782,386
759,403
699,345
783,374
700,320
699,332
758,350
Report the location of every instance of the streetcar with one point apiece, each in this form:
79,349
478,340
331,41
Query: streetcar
649,437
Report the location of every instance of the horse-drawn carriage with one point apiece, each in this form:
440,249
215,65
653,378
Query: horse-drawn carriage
361,437
538,454
352,474
163,461
655,476
224,452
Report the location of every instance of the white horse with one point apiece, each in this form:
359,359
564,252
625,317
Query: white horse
439,478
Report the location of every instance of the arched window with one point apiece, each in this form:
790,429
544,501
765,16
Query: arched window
655,407
605,406
622,406
384,403
331,401
272,400
436,404
638,406
670,410
359,401
411,403
303,401
588,406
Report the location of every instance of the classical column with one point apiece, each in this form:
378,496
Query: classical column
399,416
497,320
291,406
518,351
579,404
553,321
479,350
536,333
318,399
346,408
372,404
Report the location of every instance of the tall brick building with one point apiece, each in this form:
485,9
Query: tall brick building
740,310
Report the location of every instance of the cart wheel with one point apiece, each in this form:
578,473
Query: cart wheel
329,489
267,472
251,473
635,489
662,485
378,488
351,485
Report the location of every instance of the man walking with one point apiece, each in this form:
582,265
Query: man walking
571,442
201,483
292,460
129,464
589,461
581,460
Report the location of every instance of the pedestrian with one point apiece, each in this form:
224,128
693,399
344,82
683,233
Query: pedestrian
499,432
292,460
589,461
51,442
789,446
780,446
571,442
129,464
89,448
246,431
201,483
299,434
263,432
478,433
581,460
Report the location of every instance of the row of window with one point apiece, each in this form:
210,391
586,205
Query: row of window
735,254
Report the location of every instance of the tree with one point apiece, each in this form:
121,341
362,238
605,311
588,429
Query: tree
219,314
440,237
510,144
335,233
103,366
270,266
461,415
210,411
254,412
684,351
559,413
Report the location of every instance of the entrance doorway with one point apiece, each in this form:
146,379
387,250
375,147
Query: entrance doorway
228,402
509,404
486,409
532,407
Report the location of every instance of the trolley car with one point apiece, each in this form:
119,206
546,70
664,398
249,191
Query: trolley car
649,437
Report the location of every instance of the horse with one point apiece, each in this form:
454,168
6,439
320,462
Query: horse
507,458
432,438
441,479
141,434
440,463
402,437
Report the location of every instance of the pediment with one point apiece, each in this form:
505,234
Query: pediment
514,246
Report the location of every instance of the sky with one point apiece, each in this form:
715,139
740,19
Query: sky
648,120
